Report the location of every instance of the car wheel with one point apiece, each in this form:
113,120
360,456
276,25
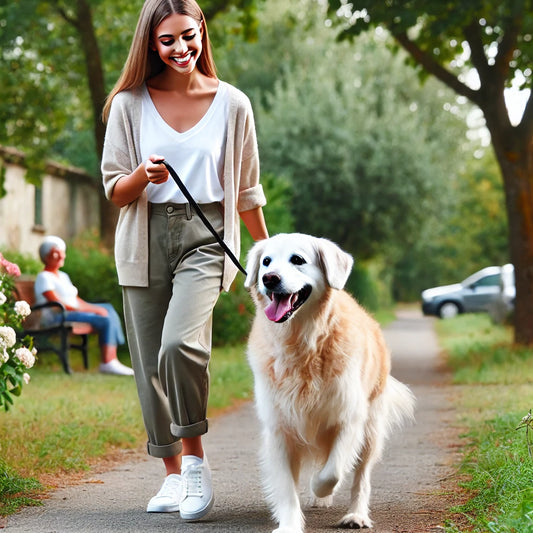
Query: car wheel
448,310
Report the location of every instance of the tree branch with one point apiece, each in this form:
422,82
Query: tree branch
508,43
434,68
68,19
472,35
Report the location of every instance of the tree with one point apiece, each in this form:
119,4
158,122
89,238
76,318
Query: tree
59,54
367,167
495,40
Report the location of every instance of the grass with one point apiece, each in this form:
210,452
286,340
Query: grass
494,393
62,425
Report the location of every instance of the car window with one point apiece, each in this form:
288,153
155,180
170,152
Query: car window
488,281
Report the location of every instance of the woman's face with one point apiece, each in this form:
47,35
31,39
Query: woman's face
178,41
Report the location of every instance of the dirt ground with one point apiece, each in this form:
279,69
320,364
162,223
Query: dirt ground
413,487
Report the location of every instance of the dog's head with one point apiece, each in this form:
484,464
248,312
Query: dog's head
289,269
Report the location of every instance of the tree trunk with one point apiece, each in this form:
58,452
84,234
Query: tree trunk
517,171
95,75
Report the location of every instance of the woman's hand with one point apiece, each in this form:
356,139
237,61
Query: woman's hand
156,172
128,188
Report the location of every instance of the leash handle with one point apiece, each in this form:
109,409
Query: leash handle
199,212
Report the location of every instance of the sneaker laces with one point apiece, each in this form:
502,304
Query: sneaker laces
193,481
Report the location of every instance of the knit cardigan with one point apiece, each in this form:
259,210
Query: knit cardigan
122,155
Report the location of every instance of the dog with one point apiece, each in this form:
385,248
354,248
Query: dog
323,390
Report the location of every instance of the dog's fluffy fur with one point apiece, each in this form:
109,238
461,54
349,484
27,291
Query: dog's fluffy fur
321,367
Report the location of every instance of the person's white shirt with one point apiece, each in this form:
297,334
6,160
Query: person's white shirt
197,155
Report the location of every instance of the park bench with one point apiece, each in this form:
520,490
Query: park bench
58,334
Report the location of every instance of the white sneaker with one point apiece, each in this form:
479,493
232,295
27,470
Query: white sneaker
115,367
167,500
197,496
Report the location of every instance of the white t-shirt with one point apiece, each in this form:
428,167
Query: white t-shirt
61,285
197,155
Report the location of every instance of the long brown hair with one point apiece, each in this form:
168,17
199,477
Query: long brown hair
143,62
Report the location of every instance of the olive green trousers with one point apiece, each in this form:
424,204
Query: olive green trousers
169,324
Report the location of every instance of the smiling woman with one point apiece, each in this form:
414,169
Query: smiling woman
169,106
178,41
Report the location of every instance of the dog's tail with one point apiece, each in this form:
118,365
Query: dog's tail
398,403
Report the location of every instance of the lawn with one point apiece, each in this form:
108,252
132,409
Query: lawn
494,392
61,425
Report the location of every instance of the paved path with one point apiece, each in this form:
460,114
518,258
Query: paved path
406,484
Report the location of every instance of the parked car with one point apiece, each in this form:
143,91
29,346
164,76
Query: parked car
503,306
476,293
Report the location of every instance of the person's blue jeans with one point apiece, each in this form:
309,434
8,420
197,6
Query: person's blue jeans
109,327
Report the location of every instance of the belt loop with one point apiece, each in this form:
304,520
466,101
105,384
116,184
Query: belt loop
188,211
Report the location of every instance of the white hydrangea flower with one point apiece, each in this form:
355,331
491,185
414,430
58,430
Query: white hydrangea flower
27,358
8,337
22,308
3,298
26,377
4,356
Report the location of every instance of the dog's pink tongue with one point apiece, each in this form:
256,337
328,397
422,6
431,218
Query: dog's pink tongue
279,307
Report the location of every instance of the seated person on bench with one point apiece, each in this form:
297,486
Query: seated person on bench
54,285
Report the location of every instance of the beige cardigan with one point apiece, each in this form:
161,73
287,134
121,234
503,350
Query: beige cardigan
121,156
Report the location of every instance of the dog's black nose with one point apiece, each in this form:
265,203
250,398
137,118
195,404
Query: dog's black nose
271,280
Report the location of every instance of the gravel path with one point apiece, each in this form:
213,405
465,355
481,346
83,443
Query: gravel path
408,486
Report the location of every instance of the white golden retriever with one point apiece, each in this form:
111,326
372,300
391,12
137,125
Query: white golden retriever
323,391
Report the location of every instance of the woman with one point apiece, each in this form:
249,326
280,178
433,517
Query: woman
169,103
54,285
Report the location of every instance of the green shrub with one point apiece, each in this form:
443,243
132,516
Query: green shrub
233,315
370,285
28,264
92,270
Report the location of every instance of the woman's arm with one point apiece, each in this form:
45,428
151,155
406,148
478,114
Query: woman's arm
129,188
83,306
254,221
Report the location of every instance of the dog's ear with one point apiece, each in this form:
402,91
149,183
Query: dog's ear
336,263
252,263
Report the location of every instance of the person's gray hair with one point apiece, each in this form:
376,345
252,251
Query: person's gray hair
49,243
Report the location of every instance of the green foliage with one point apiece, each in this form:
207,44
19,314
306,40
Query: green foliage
234,310
369,162
233,315
92,270
16,491
441,27
52,98
16,355
470,234
27,263
370,284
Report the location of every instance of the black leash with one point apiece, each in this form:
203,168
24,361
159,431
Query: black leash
199,212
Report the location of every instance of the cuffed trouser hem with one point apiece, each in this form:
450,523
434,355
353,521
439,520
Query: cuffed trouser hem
193,430
162,452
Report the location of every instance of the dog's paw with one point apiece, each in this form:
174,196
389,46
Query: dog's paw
354,521
322,502
323,485
287,530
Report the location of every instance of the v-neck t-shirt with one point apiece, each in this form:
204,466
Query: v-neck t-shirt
197,154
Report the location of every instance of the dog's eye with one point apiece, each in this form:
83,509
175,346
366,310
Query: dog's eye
267,261
297,260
